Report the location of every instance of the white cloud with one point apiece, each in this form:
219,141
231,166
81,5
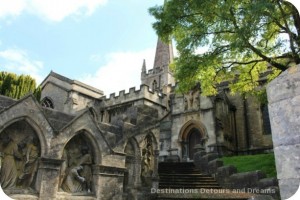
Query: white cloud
17,60
121,72
53,10
11,7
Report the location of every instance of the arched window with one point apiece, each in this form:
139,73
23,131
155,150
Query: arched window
154,85
47,102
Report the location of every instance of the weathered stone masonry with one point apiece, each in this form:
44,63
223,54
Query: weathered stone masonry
79,144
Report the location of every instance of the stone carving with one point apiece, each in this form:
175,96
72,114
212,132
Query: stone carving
19,161
147,160
31,162
76,171
9,170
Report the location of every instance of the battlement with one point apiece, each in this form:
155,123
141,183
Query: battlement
144,92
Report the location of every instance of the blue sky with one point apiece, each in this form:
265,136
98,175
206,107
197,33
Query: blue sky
99,42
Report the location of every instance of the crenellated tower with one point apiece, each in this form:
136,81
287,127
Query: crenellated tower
160,76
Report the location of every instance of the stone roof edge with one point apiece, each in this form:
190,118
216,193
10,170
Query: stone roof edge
70,81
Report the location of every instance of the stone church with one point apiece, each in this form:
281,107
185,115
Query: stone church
78,143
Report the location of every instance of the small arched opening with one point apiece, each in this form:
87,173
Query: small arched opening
47,102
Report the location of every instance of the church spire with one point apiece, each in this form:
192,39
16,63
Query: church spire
164,54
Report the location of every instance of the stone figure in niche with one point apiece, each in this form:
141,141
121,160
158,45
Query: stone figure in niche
9,171
147,159
196,102
20,149
74,181
86,162
76,171
30,164
186,104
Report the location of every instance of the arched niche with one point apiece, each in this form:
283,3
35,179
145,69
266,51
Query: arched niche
148,163
76,172
20,149
154,85
133,168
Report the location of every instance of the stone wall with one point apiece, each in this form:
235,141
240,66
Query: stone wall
284,111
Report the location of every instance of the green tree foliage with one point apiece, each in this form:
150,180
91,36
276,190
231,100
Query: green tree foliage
16,87
242,39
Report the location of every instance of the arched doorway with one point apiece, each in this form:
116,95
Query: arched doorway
194,138
20,149
191,134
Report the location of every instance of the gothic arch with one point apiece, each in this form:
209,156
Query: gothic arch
191,134
37,129
132,141
154,140
133,167
89,139
21,147
188,126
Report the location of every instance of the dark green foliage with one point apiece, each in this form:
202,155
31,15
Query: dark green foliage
263,162
242,39
16,87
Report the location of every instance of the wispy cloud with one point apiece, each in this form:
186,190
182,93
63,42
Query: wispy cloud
18,61
53,10
121,71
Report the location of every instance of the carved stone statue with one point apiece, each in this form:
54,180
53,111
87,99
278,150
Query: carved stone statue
9,172
76,172
147,159
73,182
30,165
86,162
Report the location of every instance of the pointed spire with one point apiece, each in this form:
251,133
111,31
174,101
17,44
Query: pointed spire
144,69
164,54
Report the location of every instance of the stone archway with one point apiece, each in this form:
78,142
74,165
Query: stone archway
133,169
20,149
191,134
76,172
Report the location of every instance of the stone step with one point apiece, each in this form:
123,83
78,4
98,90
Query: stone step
188,183
189,186
200,194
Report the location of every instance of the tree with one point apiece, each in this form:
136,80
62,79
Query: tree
16,87
242,39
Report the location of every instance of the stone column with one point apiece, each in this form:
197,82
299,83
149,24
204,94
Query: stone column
48,178
284,112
